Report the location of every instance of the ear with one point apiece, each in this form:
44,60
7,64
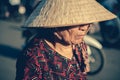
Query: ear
57,34
91,28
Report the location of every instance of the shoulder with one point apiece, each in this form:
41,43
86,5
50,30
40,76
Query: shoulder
33,47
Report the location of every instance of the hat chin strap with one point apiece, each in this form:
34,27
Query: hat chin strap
58,36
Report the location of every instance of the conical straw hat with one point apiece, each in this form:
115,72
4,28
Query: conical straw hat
63,13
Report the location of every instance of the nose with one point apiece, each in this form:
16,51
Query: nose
84,27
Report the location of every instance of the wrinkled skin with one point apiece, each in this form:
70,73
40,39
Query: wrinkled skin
72,35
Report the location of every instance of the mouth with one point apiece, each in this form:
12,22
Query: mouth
79,36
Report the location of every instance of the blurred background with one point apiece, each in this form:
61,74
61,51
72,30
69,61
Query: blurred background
13,38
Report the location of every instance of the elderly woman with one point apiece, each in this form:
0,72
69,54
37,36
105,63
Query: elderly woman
57,51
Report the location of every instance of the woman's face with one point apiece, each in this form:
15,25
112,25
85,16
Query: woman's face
73,35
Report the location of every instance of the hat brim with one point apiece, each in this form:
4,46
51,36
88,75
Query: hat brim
57,13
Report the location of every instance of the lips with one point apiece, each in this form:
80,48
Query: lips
79,36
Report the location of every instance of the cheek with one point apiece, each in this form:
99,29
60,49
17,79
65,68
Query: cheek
72,37
66,37
75,39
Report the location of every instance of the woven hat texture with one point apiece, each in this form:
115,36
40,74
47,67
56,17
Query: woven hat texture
63,13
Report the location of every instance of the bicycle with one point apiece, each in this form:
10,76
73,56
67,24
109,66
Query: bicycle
95,55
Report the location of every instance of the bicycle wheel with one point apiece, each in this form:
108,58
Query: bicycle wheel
96,59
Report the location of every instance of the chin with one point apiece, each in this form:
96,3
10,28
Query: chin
77,42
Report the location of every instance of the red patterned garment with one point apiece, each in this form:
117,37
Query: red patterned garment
44,63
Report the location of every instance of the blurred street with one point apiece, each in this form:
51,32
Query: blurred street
11,42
